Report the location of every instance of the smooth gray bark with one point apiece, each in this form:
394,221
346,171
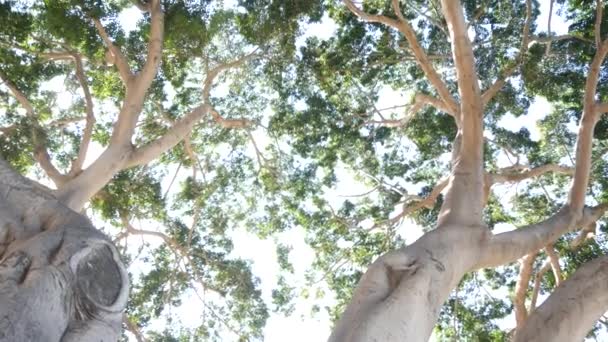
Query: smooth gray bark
60,278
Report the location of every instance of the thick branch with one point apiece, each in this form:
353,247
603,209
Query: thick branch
464,198
572,309
423,61
584,140
511,175
505,175
602,108
509,246
498,84
175,134
44,160
181,128
155,45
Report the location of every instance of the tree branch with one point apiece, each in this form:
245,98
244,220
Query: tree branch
548,48
602,108
521,288
175,247
90,115
517,174
507,247
133,328
572,309
537,280
420,100
464,200
584,141
114,55
40,152
155,45
404,27
554,261
182,127
489,93
598,23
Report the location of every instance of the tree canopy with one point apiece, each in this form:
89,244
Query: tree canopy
207,118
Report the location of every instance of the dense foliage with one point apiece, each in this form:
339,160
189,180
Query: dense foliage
316,128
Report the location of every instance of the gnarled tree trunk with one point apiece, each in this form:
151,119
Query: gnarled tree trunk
60,278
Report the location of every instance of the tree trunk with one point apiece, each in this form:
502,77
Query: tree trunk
60,278
401,294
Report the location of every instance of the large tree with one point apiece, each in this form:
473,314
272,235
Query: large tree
465,65
102,107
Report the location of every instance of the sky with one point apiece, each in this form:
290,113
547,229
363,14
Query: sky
302,326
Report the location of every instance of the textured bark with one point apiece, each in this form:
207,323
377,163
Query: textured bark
60,278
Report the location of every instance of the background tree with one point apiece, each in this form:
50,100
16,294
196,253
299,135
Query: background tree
107,114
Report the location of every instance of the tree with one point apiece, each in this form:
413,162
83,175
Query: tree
466,64
76,81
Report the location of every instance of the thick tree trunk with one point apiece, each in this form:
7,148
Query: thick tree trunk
60,278
401,294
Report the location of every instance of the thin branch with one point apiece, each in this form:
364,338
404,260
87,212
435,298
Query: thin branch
229,123
554,260
546,40
587,232
90,115
114,55
537,281
40,152
173,245
420,100
500,82
599,7
521,289
142,6
133,328
214,72
19,96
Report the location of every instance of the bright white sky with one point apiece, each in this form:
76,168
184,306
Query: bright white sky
301,326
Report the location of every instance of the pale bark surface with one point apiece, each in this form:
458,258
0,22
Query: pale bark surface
400,295
60,278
